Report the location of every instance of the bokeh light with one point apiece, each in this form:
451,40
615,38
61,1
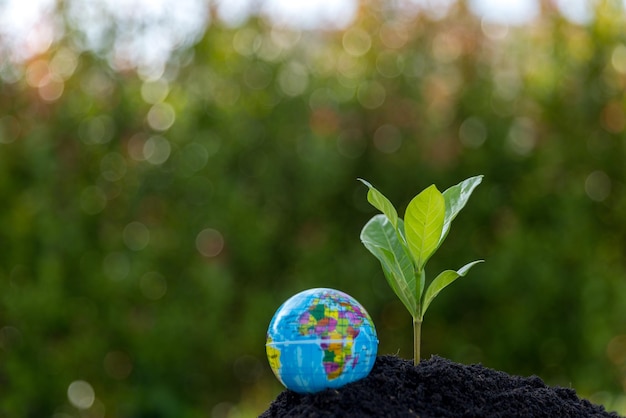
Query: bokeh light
136,236
598,186
156,150
81,394
209,242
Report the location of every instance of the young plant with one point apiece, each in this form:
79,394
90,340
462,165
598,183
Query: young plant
404,247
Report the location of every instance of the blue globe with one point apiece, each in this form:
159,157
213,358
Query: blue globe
321,338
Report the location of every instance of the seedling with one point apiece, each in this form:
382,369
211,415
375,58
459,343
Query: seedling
404,247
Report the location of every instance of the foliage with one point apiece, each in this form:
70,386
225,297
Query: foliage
403,248
150,225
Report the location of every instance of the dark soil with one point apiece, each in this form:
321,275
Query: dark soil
436,388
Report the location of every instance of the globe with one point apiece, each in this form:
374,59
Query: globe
321,338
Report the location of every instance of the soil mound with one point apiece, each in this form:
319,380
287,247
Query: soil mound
437,388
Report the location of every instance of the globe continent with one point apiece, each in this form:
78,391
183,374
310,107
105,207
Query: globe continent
321,338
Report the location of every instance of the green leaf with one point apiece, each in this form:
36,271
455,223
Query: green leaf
443,280
384,241
456,197
380,202
424,222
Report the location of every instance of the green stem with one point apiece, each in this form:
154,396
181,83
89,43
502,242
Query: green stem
417,339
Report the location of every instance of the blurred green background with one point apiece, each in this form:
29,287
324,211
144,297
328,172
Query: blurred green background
157,209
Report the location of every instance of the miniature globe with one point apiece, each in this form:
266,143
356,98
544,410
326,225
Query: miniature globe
321,338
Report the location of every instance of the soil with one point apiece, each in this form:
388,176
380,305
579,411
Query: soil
436,388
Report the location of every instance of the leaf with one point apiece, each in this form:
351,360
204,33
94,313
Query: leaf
455,199
424,222
443,280
384,241
380,202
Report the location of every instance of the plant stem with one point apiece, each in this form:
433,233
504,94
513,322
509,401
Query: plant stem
417,339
